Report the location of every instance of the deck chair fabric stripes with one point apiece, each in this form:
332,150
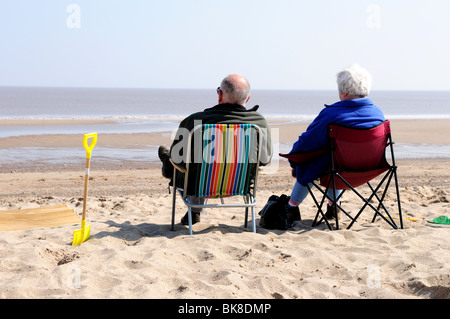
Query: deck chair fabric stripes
225,156
224,161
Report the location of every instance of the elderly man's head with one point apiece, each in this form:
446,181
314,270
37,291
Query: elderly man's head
234,89
354,82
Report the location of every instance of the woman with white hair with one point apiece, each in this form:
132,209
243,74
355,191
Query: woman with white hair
354,110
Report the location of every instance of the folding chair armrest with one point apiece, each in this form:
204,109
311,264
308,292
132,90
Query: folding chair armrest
179,168
303,157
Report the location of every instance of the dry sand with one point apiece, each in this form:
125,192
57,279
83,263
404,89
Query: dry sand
133,254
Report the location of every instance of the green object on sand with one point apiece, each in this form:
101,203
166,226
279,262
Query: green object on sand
441,221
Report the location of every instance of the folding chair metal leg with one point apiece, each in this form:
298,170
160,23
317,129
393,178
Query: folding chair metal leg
174,198
333,180
190,219
253,220
381,205
319,207
246,217
398,197
367,201
246,200
392,222
394,171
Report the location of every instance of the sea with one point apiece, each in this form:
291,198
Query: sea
139,110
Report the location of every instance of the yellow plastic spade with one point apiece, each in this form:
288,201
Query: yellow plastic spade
80,236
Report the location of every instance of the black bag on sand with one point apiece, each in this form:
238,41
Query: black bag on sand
274,214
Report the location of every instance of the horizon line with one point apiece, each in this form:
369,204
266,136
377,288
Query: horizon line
180,88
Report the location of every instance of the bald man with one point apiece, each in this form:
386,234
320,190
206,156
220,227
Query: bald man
233,95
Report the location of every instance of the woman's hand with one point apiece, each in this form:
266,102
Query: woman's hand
293,172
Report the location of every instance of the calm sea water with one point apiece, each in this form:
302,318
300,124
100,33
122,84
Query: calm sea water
53,103
153,110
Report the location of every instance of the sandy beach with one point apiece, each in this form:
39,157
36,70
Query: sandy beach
132,253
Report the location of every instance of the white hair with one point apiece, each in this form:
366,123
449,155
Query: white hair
354,80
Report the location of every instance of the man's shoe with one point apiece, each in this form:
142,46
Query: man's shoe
195,218
164,156
163,153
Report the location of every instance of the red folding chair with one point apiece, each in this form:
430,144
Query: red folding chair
357,157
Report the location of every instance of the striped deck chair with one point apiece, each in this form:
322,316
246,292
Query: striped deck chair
223,162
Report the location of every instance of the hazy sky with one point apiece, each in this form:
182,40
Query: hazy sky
276,44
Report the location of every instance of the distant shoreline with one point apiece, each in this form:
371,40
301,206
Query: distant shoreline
411,131
414,139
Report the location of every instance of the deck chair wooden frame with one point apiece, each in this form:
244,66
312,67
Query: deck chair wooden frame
228,167
349,149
